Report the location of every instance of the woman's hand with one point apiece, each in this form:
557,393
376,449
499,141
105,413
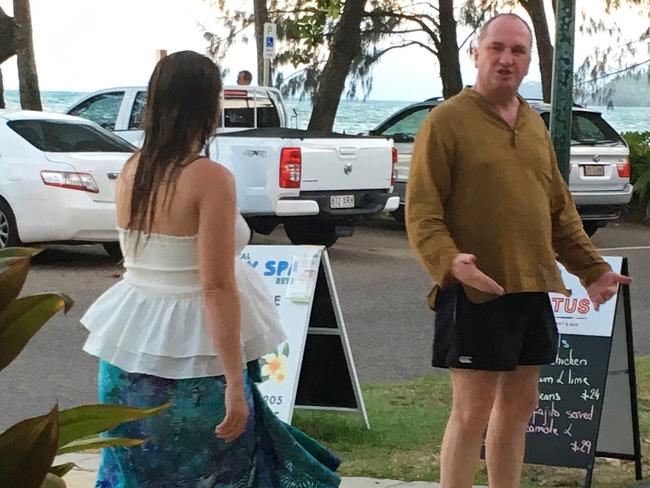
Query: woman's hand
234,423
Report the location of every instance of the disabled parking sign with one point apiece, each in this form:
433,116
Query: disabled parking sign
270,31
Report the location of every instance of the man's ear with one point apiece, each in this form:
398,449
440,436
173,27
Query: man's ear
474,53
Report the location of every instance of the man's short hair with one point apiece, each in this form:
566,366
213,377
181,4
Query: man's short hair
483,32
247,75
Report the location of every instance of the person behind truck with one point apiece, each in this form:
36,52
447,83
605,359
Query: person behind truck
244,77
188,315
487,211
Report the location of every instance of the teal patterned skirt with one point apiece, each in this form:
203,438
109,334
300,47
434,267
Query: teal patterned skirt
183,451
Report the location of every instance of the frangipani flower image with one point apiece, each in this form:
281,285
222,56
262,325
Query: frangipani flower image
274,366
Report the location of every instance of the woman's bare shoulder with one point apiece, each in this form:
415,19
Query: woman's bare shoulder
204,172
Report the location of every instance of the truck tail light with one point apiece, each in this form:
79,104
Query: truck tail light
70,180
624,169
393,175
290,167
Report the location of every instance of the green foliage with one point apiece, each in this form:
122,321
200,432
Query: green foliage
88,420
28,448
639,143
22,318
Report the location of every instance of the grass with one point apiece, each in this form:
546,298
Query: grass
407,422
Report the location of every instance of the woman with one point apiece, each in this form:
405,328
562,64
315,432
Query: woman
189,314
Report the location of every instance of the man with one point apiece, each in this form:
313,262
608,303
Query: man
244,77
487,211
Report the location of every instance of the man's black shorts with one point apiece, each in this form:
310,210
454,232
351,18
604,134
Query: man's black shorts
499,335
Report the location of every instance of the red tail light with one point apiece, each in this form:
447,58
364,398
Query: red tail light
624,169
70,180
290,167
393,176
235,93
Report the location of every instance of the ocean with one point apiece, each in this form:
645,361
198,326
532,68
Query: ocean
355,116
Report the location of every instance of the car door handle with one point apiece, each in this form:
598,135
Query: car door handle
113,175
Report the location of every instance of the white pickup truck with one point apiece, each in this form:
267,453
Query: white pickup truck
318,184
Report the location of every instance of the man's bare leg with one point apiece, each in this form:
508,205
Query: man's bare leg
516,399
473,396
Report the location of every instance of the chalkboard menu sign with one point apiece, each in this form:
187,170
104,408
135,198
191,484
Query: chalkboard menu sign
564,428
587,397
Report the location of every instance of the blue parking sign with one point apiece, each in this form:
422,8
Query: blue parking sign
269,42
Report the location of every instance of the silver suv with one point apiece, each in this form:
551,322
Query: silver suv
600,166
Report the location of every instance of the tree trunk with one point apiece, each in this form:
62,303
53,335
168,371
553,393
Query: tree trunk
30,96
261,14
8,36
448,54
535,9
346,45
2,92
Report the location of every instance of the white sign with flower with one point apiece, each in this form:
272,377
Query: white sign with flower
290,274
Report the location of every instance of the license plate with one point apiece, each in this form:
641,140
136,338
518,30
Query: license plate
342,201
594,170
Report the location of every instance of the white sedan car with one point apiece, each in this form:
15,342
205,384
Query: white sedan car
57,180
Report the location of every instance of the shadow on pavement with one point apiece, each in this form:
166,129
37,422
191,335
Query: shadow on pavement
82,256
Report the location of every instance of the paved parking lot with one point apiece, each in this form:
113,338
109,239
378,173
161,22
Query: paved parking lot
381,288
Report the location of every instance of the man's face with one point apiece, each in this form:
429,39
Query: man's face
503,55
241,79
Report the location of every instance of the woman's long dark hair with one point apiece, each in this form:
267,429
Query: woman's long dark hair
180,115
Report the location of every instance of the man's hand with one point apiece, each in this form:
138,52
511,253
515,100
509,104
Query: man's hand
464,269
605,287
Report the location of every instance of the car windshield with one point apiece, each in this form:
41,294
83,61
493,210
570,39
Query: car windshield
404,126
64,136
589,129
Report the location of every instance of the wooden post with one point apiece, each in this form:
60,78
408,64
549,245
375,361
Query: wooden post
160,53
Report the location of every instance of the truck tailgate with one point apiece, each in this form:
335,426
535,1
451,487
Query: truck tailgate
346,164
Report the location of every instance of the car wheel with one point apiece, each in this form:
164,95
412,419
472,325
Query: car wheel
8,228
318,233
113,250
590,227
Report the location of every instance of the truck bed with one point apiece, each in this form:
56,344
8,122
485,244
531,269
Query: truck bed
287,133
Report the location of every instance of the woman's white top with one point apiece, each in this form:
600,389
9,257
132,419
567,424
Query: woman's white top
153,322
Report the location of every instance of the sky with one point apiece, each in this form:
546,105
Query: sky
87,45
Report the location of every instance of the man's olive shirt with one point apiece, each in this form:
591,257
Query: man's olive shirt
478,186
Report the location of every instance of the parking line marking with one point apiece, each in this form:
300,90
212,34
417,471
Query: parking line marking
631,248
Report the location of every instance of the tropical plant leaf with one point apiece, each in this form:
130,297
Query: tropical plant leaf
19,252
79,422
53,481
14,266
23,318
61,470
285,349
98,443
27,450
